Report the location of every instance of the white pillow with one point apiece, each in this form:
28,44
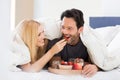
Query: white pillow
108,33
114,45
98,50
51,27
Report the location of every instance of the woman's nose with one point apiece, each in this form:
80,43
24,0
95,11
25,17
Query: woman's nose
43,35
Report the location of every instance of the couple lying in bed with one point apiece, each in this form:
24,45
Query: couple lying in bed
32,51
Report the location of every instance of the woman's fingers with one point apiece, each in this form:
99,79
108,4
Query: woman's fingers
61,44
61,41
58,46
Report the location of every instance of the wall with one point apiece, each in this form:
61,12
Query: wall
4,33
23,10
54,8
111,7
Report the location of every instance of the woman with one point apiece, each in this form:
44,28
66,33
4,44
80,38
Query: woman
28,46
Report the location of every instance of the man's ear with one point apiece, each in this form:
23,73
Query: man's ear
80,29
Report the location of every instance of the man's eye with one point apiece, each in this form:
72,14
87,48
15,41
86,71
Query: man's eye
63,27
69,28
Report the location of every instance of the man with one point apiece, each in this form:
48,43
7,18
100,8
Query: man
71,27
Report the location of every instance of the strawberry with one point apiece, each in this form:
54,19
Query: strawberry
77,66
64,63
70,63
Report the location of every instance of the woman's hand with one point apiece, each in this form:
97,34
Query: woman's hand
58,46
40,63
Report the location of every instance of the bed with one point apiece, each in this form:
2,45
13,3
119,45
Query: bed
95,22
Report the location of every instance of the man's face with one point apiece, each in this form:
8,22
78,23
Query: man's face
70,30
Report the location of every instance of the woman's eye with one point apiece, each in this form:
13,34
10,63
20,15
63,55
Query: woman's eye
39,34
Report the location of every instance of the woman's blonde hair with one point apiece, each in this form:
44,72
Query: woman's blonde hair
29,36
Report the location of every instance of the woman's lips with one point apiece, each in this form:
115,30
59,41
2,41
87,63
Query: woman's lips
41,41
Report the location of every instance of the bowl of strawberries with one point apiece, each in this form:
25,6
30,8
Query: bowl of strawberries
65,66
72,64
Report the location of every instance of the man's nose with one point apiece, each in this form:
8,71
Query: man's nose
65,31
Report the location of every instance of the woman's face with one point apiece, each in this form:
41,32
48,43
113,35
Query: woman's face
40,37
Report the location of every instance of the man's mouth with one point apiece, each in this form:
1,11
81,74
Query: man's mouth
66,37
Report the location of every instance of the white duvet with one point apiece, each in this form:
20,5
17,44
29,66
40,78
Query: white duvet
104,50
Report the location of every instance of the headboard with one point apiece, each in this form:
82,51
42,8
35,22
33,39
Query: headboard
96,22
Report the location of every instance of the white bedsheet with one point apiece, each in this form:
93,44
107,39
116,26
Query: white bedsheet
45,75
6,74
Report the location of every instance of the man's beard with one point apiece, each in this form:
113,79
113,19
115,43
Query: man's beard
73,40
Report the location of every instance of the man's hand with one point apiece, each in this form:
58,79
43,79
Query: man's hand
89,70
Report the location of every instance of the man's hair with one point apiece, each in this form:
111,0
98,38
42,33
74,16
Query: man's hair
76,14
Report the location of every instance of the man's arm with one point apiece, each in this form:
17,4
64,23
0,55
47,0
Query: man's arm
90,69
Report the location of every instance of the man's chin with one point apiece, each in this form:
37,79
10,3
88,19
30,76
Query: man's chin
68,42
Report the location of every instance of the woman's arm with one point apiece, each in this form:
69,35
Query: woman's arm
39,64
